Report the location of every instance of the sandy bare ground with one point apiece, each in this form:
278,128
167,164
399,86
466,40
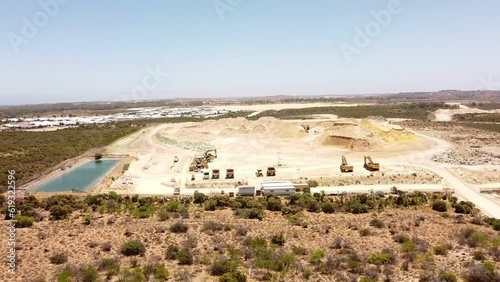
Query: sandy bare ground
265,107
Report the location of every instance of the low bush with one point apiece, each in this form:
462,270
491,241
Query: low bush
233,276
223,266
185,257
179,227
59,258
381,259
464,207
24,221
278,240
87,219
163,214
440,206
133,248
58,212
316,256
377,223
447,276
440,250
365,232
172,251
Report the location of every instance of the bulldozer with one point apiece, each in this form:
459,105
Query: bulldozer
345,167
370,165
215,174
209,156
271,171
259,173
229,173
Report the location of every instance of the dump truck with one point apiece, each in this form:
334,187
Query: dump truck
206,175
345,167
177,191
229,173
271,171
259,173
370,165
215,174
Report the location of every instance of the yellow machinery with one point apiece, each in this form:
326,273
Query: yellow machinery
345,167
229,173
209,156
271,171
206,175
215,174
370,165
259,173
198,163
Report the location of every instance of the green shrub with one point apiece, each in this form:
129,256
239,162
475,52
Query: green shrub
233,276
253,213
464,207
408,247
212,226
482,272
316,256
328,207
65,276
58,212
59,258
223,266
278,239
160,272
380,259
98,156
110,265
163,214
172,251
173,206
87,219
179,227
440,206
89,274
185,257
399,238
133,248
199,198
365,232
24,221
440,250
299,251
447,276
274,203
367,279
377,223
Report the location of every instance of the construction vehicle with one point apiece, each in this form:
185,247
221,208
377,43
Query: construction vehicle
198,163
229,173
370,165
176,159
206,175
271,171
215,174
259,173
345,167
177,191
209,156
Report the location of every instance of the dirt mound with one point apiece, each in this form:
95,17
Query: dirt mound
228,132
259,128
243,130
346,142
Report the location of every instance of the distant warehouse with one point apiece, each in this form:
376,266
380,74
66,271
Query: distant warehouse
278,188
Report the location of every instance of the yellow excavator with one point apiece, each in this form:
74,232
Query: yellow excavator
345,167
370,165
209,156
198,163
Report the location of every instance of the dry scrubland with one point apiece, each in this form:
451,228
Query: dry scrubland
395,237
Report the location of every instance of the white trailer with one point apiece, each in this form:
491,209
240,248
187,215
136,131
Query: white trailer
246,191
277,188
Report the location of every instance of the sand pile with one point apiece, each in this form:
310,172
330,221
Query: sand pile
243,130
228,132
388,132
346,136
259,128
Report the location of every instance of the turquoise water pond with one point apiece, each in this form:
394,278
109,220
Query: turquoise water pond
83,177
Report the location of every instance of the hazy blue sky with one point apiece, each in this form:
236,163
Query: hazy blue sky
101,50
